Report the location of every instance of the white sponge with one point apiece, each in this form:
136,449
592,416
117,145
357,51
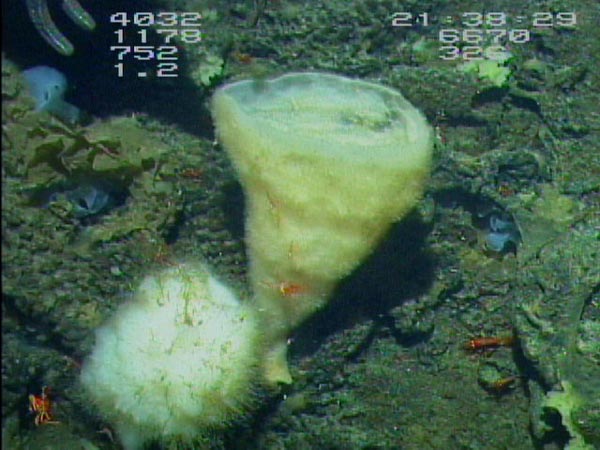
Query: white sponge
180,358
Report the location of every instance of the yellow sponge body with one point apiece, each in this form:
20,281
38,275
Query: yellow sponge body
327,164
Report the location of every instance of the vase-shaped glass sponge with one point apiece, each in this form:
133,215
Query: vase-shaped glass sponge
327,164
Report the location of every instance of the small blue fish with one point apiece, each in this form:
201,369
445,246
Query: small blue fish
89,200
47,86
503,234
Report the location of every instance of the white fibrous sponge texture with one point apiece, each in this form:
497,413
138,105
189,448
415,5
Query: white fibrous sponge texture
180,357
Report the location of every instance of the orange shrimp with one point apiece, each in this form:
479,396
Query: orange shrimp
503,384
287,288
484,343
41,405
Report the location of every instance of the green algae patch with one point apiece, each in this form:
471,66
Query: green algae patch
555,320
554,206
566,402
122,145
491,72
117,149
